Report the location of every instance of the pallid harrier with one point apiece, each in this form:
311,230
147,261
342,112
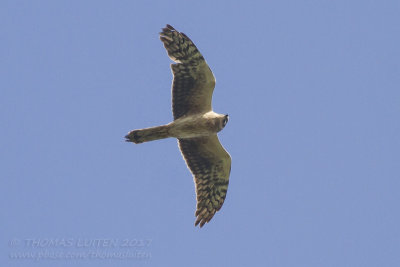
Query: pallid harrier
195,125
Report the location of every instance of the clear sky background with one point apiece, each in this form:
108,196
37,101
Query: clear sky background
312,89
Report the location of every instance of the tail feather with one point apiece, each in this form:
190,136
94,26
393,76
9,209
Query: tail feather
147,134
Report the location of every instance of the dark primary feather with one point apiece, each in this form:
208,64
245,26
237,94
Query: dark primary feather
211,166
193,82
179,47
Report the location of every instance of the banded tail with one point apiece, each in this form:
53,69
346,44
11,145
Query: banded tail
147,134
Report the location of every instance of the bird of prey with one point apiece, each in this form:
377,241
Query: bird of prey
195,124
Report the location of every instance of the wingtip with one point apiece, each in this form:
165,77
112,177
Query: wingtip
167,28
197,223
201,222
170,27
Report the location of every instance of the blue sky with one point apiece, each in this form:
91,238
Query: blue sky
312,89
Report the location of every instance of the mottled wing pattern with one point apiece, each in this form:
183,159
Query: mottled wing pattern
193,82
211,167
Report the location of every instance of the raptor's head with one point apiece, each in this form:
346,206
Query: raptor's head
224,121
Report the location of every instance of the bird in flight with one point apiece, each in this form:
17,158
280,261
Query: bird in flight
195,124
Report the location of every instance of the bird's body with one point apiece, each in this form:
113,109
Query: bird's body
195,125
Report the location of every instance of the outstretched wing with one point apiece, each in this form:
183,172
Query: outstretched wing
211,166
193,82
